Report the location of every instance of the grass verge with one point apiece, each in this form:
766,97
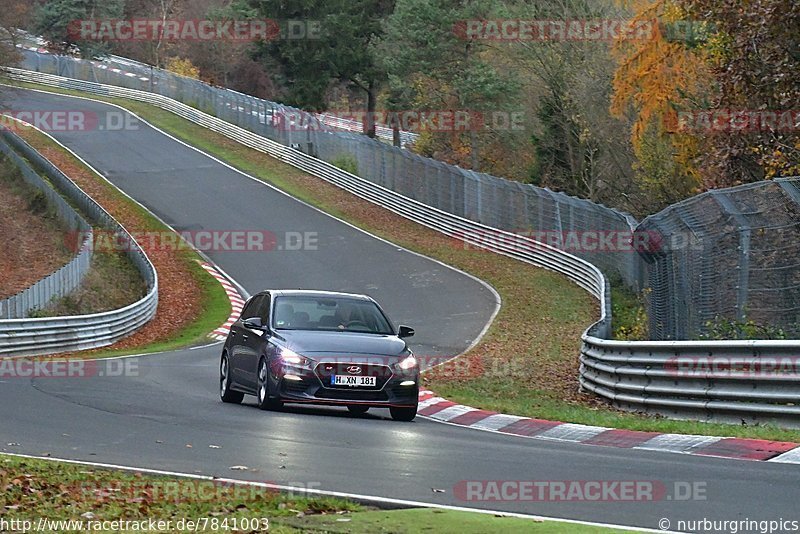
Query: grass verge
417,520
33,489
527,363
112,280
111,283
628,314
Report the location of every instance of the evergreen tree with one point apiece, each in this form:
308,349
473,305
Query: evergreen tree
343,49
57,20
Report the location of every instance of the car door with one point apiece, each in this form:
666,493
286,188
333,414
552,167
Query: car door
240,339
255,342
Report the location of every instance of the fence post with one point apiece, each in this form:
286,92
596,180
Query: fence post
744,252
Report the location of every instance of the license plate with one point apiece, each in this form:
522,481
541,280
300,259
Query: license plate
353,381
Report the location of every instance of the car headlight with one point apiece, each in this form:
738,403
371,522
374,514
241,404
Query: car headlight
408,363
291,357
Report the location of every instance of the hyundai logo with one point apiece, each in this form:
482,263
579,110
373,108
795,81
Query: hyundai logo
354,369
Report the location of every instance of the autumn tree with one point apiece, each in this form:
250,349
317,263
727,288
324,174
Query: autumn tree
656,79
183,67
155,50
225,62
755,60
14,15
579,148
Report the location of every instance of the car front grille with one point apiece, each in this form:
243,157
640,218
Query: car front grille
382,374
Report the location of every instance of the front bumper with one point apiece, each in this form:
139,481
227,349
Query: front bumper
313,386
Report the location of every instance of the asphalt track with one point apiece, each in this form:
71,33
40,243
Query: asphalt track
148,417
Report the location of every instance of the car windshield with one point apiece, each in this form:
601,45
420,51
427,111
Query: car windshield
329,314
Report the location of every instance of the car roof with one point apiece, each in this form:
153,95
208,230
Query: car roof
315,293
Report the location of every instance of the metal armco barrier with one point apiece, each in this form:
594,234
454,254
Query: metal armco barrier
727,381
49,335
68,277
667,377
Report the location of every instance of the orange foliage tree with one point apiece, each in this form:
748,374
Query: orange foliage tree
656,78
737,59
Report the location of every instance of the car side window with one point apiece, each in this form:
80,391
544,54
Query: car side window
252,307
263,310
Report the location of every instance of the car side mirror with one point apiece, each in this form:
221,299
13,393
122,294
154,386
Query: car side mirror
254,323
405,331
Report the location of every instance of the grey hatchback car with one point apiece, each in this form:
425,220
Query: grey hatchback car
319,347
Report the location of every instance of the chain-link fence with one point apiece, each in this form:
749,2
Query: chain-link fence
726,254
728,257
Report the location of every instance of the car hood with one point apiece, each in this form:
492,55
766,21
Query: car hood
341,343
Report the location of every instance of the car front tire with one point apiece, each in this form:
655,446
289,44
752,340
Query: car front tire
225,391
265,402
404,413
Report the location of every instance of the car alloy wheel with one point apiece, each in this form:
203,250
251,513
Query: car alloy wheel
264,400
225,392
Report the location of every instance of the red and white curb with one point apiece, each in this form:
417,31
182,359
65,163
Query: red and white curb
445,411
237,302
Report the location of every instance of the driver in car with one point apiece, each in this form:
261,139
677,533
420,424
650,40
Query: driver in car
345,314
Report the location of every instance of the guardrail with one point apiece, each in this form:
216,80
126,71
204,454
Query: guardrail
634,375
331,121
325,121
143,72
70,275
48,335
382,132
729,381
